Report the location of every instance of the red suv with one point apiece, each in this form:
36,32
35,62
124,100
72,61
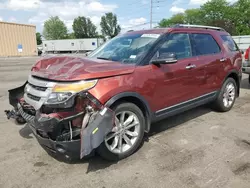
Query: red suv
107,101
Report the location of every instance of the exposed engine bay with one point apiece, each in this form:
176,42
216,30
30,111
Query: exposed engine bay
64,117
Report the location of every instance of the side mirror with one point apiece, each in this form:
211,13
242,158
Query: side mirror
165,58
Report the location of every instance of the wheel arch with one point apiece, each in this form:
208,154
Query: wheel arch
235,75
138,100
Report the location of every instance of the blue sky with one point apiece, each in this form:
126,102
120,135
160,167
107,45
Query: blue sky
132,14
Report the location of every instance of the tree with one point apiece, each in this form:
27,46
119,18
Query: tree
38,38
84,28
71,36
193,16
241,15
54,29
175,19
109,25
219,13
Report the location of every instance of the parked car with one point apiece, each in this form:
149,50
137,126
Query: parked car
105,102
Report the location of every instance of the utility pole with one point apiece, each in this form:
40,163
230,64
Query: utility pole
151,12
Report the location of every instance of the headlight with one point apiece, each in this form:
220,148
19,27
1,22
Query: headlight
63,92
75,87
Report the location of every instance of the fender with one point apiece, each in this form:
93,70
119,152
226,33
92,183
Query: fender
142,100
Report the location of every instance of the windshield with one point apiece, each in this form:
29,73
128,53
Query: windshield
126,48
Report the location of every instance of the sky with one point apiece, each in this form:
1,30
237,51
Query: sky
131,14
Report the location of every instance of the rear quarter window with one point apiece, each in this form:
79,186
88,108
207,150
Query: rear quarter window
229,42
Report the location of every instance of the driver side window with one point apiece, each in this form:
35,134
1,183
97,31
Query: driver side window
177,43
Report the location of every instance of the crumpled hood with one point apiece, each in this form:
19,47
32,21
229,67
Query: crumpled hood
76,68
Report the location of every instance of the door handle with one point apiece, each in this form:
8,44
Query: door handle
190,66
222,59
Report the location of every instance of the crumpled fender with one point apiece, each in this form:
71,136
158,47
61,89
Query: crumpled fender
94,134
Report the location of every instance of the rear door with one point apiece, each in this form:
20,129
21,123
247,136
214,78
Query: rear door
211,58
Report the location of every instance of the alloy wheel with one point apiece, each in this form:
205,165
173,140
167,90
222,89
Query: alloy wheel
125,133
229,95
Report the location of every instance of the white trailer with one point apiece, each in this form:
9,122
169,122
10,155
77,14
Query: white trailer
71,45
243,41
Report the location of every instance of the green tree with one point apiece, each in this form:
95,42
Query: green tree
38,38
71,36
241,17
84,28
109,25
175,19
193,16
54,29
218,13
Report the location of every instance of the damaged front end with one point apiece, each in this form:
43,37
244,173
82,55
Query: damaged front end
64,117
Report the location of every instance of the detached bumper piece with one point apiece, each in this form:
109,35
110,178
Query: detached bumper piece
73,133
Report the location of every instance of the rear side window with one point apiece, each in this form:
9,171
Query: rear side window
204,44
230,43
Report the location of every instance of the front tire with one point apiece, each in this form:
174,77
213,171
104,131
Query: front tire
227,96
127,134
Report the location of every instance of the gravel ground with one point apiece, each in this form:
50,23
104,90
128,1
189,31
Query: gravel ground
199,148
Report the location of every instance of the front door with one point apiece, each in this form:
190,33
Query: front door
176,82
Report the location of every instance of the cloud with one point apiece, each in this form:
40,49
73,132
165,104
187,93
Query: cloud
177,2
68,10
197,2
20,4
176,9
201,2
1,19
12,19
137,21
134,24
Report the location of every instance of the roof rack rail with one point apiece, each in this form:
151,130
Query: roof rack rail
198,26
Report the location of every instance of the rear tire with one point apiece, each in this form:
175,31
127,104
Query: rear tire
249,78
227,96
125,141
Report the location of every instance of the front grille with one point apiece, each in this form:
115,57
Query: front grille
33,97
39,88
37,91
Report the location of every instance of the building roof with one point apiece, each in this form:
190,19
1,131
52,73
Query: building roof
11,23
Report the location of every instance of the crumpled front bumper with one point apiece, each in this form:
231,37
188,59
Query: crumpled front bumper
49,129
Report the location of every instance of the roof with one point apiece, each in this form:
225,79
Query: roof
178,27
11,23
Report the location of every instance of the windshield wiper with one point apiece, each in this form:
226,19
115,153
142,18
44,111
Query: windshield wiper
104,58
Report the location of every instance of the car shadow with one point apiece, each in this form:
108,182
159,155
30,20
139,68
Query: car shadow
245,84
96,163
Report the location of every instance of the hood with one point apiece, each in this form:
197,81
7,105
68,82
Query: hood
76,68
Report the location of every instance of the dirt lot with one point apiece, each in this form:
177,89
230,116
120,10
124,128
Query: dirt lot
199,148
